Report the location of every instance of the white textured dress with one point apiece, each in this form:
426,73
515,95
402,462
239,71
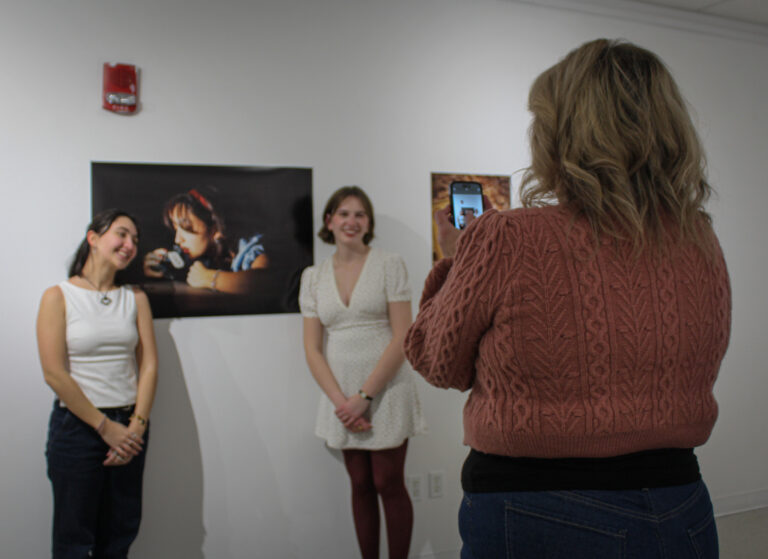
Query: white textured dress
357,336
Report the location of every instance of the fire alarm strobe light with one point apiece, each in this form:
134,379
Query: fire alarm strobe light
120,92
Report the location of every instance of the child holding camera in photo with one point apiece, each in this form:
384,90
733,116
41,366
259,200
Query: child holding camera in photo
201,256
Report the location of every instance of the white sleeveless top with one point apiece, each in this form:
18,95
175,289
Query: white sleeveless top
101,344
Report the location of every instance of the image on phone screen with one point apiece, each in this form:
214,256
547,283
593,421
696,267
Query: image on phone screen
466,200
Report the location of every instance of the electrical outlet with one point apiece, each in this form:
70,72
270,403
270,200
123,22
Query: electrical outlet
436,484
415,486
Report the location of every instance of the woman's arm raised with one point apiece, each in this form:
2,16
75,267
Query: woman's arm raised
458,304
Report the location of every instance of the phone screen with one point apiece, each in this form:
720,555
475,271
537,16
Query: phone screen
466,199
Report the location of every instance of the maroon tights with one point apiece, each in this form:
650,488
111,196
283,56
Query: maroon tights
373,473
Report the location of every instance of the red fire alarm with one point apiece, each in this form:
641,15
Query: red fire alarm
120,88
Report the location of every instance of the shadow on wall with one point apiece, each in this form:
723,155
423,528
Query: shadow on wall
172,522
243,510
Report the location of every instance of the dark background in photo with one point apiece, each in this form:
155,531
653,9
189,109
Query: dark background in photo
275,202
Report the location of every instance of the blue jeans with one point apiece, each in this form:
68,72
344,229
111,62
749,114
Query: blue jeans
96,509
668,522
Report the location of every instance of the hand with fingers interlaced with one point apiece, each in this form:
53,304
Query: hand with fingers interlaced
124,442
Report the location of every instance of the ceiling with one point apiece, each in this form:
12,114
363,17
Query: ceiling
750,11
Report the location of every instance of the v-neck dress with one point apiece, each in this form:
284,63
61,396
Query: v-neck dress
357,337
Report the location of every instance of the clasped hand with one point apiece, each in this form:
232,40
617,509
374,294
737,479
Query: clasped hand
350,413
124,442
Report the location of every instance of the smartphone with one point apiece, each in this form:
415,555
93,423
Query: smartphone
466,199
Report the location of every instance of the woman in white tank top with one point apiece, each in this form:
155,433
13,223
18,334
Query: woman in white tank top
98,354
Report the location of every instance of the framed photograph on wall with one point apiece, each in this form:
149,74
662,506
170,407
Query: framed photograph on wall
214,240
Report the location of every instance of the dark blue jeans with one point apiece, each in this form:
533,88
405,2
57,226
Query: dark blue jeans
669,523
96,509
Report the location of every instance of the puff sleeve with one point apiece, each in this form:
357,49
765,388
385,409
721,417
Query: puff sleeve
396,279
308,292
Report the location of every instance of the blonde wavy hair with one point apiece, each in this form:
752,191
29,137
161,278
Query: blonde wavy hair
612,139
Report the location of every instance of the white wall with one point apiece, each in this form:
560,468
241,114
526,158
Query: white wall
374,93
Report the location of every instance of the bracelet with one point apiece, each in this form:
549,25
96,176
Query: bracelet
138,418
365,395
213,279
102,423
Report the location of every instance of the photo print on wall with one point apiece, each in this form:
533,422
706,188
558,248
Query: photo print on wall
494,187
214,240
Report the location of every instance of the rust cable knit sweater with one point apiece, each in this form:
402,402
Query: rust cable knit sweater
570,353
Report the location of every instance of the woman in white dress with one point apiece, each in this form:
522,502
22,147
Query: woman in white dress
361,298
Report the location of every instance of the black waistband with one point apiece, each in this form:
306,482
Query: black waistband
485,473
128,408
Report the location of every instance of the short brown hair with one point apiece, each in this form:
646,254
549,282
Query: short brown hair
333,204
612,139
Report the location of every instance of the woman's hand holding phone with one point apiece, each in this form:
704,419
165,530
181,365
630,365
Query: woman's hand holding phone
447,234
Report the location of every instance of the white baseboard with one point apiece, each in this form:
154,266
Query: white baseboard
741,502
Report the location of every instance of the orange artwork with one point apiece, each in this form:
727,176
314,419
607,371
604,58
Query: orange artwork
495,188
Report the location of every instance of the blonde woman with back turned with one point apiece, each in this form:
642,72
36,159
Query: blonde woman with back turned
589,326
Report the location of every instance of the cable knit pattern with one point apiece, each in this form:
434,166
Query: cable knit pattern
668,342
592,323
573,349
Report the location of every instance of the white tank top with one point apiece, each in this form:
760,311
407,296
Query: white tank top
101,344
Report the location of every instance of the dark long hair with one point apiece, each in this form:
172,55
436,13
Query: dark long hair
199,204
101,223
